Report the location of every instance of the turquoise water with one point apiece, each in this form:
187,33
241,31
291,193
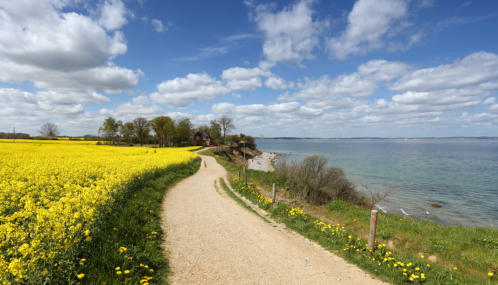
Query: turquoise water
459,174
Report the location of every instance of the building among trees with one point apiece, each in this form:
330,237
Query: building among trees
202,138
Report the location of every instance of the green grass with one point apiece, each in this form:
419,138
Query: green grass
135,225
474,251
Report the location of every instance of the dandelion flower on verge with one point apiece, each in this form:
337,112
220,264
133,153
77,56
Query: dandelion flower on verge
80,276
118,272
127,272
455,268
490,274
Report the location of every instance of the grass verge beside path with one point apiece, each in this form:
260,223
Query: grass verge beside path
128,249
463,255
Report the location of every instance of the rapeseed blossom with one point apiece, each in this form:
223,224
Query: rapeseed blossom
52,192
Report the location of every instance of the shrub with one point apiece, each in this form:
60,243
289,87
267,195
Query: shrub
316,182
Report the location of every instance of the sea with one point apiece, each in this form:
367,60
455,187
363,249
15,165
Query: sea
460,174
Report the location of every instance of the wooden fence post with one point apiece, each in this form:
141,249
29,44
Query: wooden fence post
373,228
245,174
273,194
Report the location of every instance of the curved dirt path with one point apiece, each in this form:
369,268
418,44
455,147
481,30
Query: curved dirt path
210,239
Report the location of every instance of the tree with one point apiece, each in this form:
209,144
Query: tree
110,129
49,130
215,132
226,125
163,126
183,132
141,129
126,130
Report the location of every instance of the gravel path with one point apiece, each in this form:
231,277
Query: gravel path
210,239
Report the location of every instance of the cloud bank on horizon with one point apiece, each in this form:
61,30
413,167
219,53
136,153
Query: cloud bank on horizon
301,68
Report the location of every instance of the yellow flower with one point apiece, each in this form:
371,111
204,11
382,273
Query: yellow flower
490,274
87,232
428,265
118,268
127,272
422,256
80,276
83,260
422,275
455,268
151,270
118,272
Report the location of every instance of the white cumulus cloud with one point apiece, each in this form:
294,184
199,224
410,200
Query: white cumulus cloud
290,34
184,91
369,23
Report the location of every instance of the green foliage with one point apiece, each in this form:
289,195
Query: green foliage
109,129
164,127
215,132
337,205
183,132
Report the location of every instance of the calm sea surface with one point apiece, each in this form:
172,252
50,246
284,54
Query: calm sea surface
459,174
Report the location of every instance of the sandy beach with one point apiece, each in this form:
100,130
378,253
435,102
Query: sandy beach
262,162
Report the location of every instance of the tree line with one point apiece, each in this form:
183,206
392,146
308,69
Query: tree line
163,131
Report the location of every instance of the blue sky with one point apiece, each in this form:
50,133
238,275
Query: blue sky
278,68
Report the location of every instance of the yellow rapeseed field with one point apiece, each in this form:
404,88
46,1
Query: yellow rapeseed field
51,193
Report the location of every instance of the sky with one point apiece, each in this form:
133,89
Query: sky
305,68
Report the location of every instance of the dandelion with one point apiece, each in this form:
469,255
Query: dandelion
80,276
118,272
118,268
127,272
490,274
455,268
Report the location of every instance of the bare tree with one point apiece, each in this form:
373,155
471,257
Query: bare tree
49,130
374,197
126,130
226,125
141,129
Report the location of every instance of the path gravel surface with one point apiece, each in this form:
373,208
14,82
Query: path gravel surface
210,239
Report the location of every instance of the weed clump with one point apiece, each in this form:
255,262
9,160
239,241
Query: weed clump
317,183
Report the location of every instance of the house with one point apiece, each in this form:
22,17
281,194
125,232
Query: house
202,138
